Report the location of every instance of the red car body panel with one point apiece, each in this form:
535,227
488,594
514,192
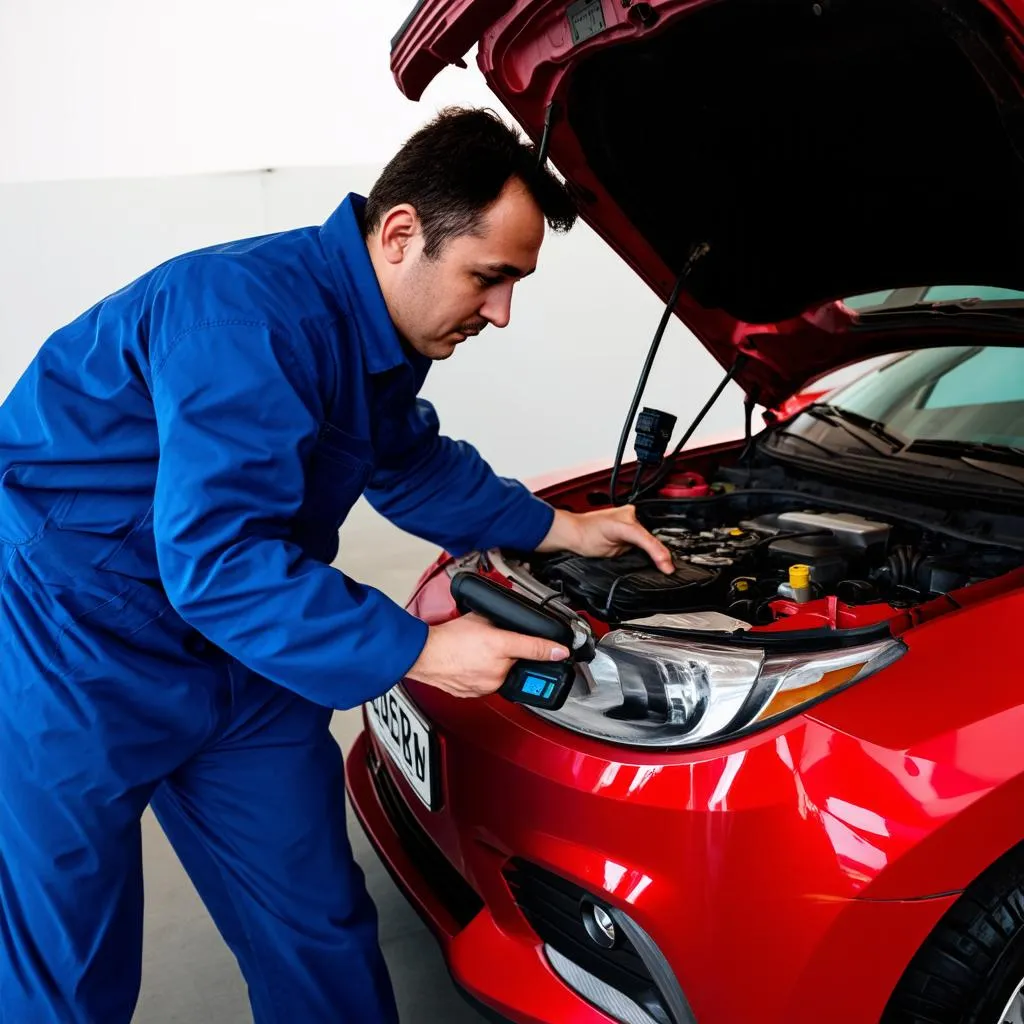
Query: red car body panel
660,840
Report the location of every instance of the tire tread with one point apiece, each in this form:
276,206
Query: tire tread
951,978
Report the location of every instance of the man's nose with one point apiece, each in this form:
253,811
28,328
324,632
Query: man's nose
497,307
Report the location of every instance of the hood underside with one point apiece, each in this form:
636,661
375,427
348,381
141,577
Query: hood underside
811,151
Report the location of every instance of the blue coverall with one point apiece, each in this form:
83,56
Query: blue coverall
174,468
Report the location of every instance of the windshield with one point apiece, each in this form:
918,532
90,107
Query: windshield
973,395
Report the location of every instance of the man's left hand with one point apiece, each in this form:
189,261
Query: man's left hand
603,534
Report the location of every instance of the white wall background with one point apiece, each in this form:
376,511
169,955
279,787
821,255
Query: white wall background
130,88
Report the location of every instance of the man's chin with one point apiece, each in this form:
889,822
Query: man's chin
443,349
440,348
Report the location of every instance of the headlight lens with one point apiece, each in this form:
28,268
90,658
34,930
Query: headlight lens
655,691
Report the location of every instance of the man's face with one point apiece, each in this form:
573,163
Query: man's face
436,303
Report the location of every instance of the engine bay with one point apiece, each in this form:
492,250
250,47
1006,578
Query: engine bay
761,559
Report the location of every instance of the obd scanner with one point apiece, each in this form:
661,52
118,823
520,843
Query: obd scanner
541,684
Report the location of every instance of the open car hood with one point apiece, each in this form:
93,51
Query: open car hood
801,150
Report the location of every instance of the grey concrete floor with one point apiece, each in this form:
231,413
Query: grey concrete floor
188,973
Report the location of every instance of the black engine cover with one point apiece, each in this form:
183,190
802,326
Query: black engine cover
629,585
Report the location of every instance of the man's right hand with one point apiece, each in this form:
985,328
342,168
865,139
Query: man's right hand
469,657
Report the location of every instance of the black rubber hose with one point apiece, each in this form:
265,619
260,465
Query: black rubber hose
902,566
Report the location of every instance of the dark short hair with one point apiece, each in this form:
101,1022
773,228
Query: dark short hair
454,168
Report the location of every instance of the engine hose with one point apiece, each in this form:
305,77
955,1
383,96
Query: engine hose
902,566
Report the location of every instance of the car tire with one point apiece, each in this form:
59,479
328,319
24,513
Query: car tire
973,962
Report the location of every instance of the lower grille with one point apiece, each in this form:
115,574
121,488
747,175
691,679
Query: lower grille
457,895
552,906
593,989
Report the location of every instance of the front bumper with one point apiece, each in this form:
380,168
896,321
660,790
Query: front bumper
722,858
504,974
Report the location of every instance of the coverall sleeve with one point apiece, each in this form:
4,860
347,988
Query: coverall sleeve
236,409
443,491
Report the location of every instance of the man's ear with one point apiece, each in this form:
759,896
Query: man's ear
398,232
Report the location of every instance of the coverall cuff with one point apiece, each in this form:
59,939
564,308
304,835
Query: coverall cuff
399,655
537,517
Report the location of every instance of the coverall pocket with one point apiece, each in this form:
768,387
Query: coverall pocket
94,618
25,516
336,474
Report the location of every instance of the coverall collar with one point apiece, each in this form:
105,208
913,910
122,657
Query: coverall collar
352,272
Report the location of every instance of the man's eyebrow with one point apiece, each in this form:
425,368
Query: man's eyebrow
509,270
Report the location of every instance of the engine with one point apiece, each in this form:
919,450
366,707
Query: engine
742,566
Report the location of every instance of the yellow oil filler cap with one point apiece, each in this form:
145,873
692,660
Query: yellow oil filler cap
736,532
799,577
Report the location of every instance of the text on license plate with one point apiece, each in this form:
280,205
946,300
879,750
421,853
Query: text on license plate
406,736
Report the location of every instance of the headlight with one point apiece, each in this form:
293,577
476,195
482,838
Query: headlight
655,691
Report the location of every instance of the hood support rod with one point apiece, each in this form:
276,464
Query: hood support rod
698,250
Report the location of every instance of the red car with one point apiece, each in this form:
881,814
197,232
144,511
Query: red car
789,786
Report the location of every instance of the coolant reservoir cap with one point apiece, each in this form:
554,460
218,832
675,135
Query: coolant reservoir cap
799,576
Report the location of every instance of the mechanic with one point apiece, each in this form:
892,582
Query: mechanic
174,468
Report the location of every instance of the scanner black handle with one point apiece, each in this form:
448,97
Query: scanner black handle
509,610
541,684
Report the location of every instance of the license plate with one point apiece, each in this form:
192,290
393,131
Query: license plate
409,740
586,19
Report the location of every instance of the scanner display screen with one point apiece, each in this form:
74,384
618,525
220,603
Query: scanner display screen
537,686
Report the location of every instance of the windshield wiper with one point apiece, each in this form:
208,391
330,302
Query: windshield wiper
1001,452
1002,460
855,425
783,432
981,310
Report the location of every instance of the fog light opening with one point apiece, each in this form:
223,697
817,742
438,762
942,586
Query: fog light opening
601,929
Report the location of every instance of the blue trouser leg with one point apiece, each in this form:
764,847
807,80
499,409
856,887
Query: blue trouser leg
104,702
258,821
88,729
70,903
